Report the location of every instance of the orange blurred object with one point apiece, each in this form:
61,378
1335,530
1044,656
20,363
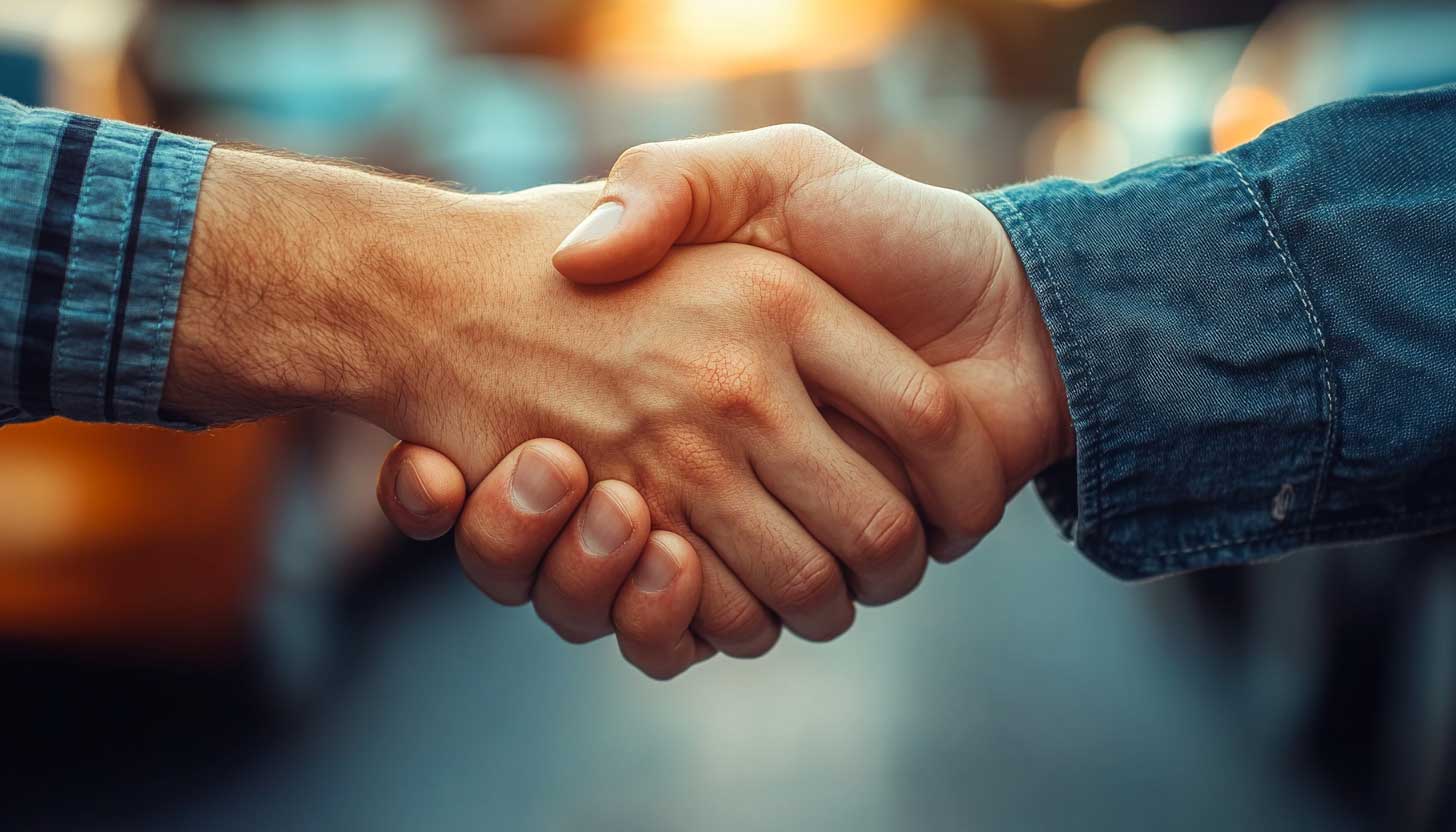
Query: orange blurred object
736,38
1243,113
132,537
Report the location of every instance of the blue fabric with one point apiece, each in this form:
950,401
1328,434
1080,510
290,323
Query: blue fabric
95,219
1259,347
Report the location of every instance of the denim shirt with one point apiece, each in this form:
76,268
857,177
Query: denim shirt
1259,347
95,219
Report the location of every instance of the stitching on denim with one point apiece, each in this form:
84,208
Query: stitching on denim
1443,504
129,197
152,392
1135,557
1326,372
74,261
1095,451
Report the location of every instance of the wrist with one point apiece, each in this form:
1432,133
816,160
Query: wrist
464,272
1053,411
1038,428
299,286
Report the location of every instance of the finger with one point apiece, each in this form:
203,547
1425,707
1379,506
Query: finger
938,547
654,611
420,490
778,561
848,506
729,618
871,447
702,190
584,569
515,513
852,363
944,549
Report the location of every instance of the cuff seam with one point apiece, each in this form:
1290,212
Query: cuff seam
1430,520
1076,363
159,358
1331,406
1087,526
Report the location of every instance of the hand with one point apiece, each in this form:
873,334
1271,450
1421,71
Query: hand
423,495
433,315
500,540
931,264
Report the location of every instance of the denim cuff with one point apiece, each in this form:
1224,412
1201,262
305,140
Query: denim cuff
164,226
1196,366
96,228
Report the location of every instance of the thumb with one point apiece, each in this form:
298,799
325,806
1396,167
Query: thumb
727,188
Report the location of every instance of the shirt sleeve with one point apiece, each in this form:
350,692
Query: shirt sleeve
95,220
1259,347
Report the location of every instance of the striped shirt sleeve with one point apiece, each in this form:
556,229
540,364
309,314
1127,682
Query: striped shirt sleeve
95,220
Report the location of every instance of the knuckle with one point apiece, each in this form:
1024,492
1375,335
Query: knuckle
777,291
888,536
641,160
811,149
687,460
735,621
810,586
927,408
801,135
732,382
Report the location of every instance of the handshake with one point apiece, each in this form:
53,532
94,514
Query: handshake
774,380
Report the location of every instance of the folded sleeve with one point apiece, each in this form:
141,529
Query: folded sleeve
1259,347
95,220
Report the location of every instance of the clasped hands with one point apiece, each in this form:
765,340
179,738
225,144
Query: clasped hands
777,378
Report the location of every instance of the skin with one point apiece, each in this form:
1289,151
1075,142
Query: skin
693,392
933,265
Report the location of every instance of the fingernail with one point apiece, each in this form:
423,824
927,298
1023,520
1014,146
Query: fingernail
603,220
537,484
605,526
656,569
410,491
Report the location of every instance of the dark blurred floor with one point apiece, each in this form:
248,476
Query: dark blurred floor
1019,689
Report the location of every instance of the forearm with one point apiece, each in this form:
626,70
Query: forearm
310,284
296,288
1256,346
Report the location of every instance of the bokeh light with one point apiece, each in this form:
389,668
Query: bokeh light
1243,113
1076,143
734,38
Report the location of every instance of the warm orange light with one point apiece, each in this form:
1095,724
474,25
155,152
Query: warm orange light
1066,4
734,38
84,42
1243,113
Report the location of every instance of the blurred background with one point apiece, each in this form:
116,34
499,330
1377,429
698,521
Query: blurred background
219,632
